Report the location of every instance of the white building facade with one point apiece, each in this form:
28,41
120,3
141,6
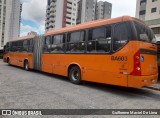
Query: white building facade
103,10
86,11
10,17
149,11
60,13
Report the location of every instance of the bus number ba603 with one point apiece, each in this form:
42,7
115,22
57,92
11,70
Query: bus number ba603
119,58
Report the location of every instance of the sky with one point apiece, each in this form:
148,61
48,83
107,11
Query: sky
34,11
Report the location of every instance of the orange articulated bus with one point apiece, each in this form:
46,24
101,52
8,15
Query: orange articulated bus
118,51
20,52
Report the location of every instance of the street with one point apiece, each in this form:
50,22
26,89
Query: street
20,89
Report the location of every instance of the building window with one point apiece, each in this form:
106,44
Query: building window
143,2
153,10
154,0
156,30
142,12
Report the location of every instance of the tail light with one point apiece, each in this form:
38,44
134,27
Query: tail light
137,64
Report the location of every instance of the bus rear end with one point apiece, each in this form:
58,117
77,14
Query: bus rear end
143,65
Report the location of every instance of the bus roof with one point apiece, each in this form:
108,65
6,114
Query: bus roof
23,38
93,24
26,37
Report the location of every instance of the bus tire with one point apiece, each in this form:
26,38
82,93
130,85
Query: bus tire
75,75
26,65
8,61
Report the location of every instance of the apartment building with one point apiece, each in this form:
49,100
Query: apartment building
32,33
86,11
103,10
60,13
10,17
149,11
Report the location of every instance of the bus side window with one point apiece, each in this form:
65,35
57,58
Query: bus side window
20,46
30,45
25,47
14,46
58,44
121,36
47,45
11,46
99,40
4,50
47,40
76,42
7,48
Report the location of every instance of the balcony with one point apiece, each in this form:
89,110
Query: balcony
67,25
48,7
69,1
51,24
52,19
68,20
69,10
69,15
52,14
52,4
47,22
47,25
53,8
47,16
69,5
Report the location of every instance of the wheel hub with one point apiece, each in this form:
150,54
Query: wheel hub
75,75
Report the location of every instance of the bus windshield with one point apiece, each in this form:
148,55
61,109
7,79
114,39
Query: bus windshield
144,33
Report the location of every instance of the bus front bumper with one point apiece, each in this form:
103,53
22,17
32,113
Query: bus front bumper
142,81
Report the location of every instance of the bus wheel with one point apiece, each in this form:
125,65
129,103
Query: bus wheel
26,65
75,75
8,61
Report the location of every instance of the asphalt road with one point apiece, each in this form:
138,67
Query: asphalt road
35,90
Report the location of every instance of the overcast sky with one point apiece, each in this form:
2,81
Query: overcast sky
33,13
